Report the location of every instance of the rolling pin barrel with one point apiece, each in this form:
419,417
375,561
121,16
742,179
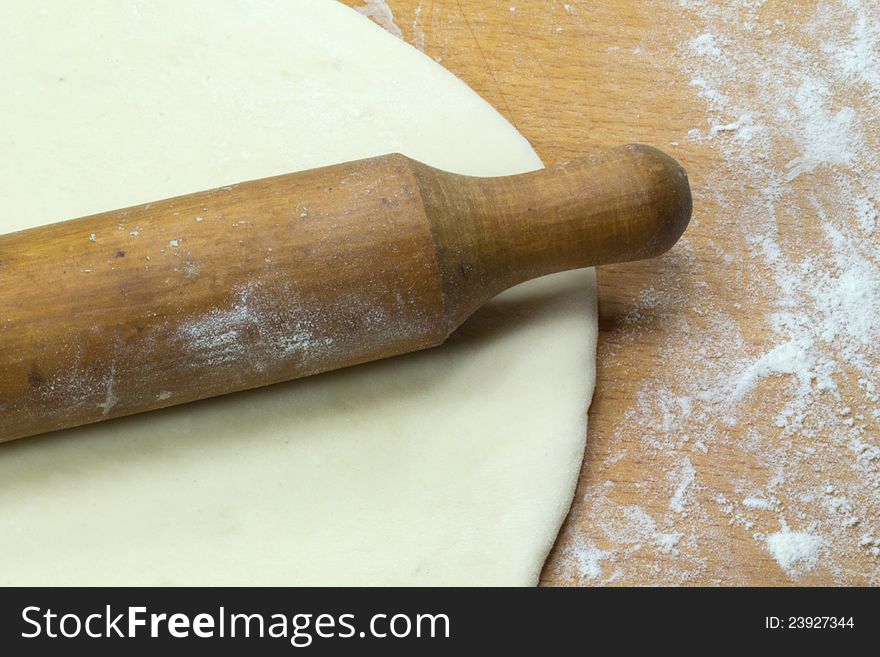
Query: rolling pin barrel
270,280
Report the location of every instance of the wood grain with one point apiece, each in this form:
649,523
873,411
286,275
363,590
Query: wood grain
228,289
572,76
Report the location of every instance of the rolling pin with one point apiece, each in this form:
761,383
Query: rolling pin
269,280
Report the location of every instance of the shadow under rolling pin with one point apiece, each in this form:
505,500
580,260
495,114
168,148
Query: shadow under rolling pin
270,280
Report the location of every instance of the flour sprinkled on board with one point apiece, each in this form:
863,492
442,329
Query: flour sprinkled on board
380,12
684,479
591,561
794,125
795,551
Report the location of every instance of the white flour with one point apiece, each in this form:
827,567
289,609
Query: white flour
589,560
795,405
794,551
380,12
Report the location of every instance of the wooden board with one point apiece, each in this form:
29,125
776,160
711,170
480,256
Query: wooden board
669,494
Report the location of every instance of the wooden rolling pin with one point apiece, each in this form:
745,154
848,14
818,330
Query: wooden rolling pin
265,281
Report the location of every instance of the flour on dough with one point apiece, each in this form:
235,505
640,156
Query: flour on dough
450,466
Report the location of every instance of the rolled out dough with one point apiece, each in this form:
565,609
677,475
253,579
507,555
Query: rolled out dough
450,466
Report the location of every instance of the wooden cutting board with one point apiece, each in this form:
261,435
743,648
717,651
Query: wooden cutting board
660,500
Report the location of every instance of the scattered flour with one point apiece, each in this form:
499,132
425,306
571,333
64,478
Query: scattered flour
686,477
635,527
705,46
380,12
788,208
589,560
793,357
827,136
757,503
796,552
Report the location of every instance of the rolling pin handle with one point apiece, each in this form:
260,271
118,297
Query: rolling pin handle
614,205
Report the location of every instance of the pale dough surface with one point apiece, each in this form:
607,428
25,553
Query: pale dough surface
451,466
